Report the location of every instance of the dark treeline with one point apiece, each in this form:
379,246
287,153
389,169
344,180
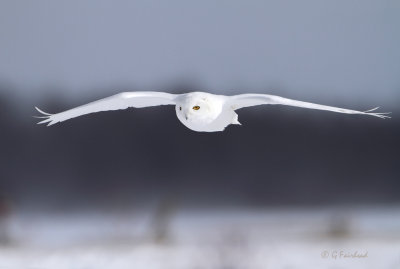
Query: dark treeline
280,156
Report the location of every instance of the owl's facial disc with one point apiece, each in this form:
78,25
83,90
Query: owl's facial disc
195,110
198,110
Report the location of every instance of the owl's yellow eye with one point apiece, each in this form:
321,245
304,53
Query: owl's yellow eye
196,107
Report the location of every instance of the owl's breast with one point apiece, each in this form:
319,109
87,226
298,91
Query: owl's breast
209,124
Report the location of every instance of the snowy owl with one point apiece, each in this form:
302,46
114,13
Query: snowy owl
198,111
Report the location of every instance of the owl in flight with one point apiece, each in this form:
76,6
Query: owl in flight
199,111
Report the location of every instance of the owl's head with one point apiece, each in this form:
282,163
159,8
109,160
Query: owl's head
198,109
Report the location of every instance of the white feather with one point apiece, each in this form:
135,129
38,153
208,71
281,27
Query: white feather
115,102
247,100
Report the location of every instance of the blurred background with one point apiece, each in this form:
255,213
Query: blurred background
288,189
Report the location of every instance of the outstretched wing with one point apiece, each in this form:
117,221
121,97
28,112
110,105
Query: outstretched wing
115,102
246,100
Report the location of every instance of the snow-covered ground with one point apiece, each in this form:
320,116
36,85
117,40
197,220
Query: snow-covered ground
205,238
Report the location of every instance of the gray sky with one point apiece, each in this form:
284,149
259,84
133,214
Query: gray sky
333,51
